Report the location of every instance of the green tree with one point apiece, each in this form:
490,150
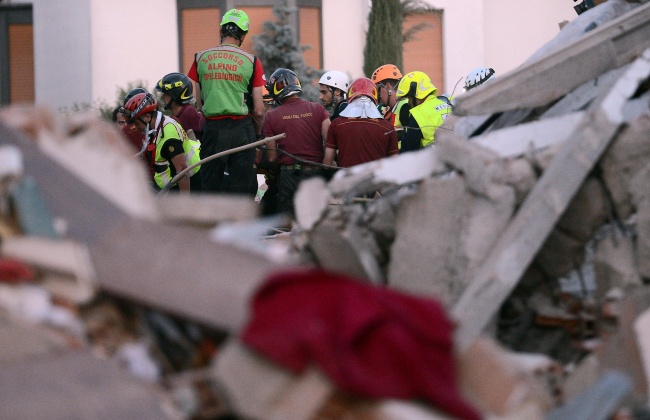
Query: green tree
277,47
386,36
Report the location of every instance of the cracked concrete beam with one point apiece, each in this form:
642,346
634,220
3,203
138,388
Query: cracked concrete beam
206,209
311,201
604,48
522,138
395,170
495,279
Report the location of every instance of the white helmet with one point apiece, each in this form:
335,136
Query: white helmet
477,77
336,79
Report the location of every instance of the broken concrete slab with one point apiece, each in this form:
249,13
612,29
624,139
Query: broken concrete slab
627,155
395,170
522,138
582,96
598,402
23,341
464,156
620,347
611,45
76,385
69,270
346,249
614,265
425,256
516,248
520,175
587,212
206,209
311,201
641,200
257,388
84,145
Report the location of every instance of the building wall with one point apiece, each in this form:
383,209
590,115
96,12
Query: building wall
62,52
345,23
131,41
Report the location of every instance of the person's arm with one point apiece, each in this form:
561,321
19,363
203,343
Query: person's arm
324,128
180,163
259,110
329,156
197,97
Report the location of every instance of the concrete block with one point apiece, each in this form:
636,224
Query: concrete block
206,209
614,265
472,125
560,254
627,155
587,211
523,138
620,348
426,256
480,167
486,221
520,175
346,249
260,389
311,201
641,200
22,341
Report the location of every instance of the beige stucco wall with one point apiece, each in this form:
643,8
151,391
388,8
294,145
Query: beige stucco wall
496,33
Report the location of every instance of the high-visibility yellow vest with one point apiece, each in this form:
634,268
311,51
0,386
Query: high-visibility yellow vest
171,129
429,117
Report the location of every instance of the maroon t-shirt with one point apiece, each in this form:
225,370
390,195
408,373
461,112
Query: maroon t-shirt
191,119
301,121
361,140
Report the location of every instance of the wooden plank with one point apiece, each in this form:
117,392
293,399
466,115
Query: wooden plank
540,82
520,139
516,248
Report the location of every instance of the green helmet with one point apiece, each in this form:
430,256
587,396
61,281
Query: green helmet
238,17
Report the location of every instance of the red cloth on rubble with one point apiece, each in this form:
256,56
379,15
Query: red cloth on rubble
370,341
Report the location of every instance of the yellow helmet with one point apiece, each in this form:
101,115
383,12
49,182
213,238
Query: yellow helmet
416,84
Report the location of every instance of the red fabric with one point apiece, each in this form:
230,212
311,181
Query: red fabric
361,140
302,121
370,341
14,271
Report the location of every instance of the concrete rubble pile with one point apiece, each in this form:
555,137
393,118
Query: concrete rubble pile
529,221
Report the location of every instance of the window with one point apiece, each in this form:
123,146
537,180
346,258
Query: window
16,55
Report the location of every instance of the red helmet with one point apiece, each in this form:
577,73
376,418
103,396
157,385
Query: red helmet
362,87
140,104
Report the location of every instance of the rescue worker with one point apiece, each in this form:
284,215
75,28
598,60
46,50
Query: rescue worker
332,88
426,113
269,199
176,94
229,84
386,78
477,77
167,147
135,136
305,125
360,134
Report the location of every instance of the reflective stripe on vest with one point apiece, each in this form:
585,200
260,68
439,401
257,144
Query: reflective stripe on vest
428,118
171,129
225,73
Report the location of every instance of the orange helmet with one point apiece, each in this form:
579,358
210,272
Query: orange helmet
140,104
387,71
362,87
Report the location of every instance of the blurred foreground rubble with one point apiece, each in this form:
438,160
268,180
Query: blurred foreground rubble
529,222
